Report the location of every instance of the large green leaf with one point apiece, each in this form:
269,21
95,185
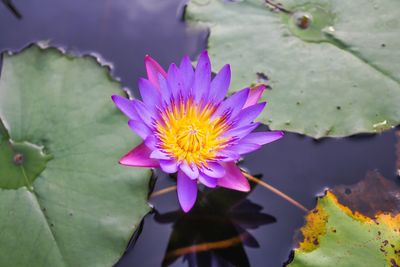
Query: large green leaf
65,201
336,236
337,77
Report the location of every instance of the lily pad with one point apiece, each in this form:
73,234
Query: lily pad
336,236
332,65
65,200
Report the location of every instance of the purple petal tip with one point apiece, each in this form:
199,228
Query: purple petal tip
187,191
115,98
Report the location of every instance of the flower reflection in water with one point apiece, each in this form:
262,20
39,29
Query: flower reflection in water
215,232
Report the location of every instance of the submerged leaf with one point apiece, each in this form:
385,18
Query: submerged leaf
65,201
371,195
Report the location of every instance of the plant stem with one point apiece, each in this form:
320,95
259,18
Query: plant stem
12,8
207,246
163,191
251,178
275,191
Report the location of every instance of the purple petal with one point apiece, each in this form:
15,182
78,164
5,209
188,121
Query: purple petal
145,115
254,95
241,131
126,106
187,191
262,138
233,178
214,170
139,128
153,69
169,166
202,77
207,180
164,89
233,104
150,95
243,148
190,170
248,115
157,154
175,81
220,84
139,157
228,155
151,142
187,73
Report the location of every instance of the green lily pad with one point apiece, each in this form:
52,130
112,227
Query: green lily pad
336,236
65,200
333,66
21,163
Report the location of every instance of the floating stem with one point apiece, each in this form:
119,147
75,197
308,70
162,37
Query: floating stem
251,178
207,246
275,191
163,191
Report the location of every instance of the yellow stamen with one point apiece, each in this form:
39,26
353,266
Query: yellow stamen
187,132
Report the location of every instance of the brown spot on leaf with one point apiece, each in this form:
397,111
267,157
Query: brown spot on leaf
18,159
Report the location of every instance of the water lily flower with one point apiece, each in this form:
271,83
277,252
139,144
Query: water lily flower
188,126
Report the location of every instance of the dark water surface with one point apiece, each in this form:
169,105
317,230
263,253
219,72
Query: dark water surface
122,32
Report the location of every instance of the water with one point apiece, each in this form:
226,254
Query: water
123,32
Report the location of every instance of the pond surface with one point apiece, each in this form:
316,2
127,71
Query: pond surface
123,32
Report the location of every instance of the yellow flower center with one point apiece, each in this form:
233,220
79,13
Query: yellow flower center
187,132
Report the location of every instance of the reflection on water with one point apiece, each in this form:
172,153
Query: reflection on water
255,229
215,231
